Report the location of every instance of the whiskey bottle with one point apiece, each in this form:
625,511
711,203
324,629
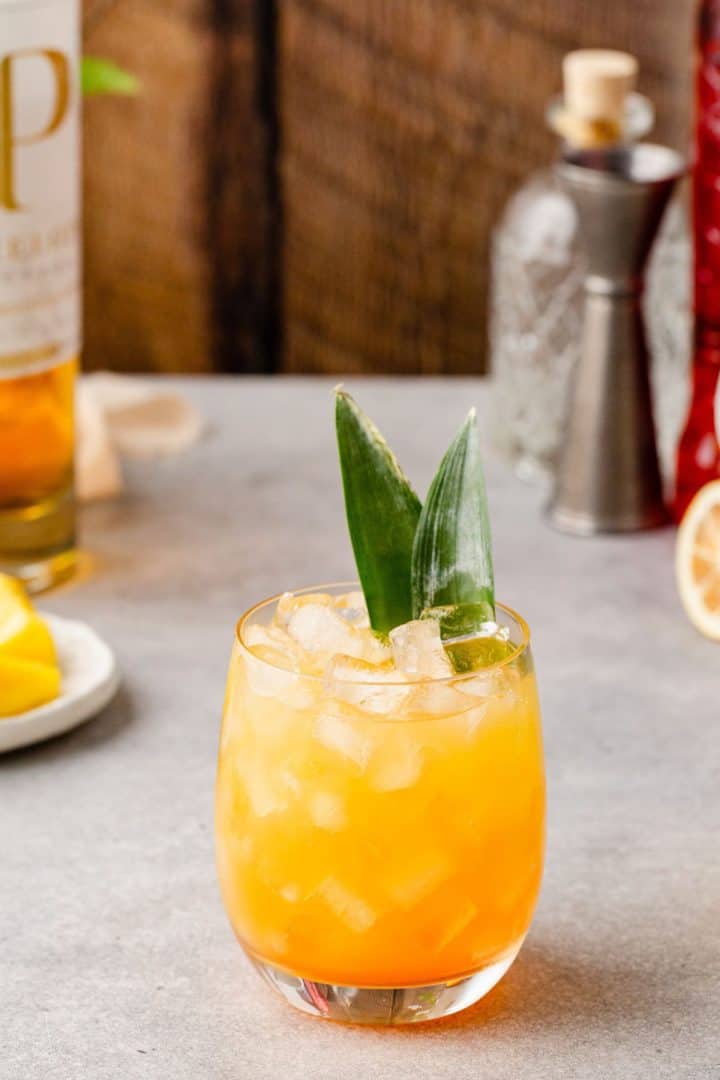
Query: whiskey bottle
40,267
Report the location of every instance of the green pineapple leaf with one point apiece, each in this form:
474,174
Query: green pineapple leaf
452,570
382,514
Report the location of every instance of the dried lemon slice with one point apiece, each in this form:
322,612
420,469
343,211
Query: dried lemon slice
697,560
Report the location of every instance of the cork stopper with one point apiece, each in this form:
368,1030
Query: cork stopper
597,84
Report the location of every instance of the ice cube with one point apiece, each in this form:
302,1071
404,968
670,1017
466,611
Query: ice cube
276,654
353,609
438,699
233,852
396,764
475,717
412,879
277,665
459,921
494,683
322,630
267,794
258,636
268,680
327,810
375,688
265,675
290,892
481,686
350,908
343,736
270,789
290,781
371,649
418,650
289,603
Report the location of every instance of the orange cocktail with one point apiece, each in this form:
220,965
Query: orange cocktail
377,828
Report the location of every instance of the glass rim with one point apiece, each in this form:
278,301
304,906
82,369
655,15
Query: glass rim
354,586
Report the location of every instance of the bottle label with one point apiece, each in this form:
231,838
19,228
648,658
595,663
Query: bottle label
40,262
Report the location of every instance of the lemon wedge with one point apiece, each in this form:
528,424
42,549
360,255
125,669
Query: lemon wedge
26,684
697,560
29,671
22,632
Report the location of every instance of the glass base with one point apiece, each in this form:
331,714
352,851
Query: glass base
45,573
404,1005
37,541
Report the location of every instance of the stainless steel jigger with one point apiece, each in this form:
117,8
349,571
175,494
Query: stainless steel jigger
608,477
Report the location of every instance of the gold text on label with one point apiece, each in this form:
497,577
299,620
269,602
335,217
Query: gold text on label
10,139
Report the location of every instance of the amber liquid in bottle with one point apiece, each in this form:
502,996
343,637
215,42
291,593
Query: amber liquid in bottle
37,520
699,450
39,285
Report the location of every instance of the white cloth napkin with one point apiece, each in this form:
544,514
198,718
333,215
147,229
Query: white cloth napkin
121,416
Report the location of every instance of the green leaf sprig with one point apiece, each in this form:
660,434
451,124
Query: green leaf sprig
452,564
98,76
382,513
414,561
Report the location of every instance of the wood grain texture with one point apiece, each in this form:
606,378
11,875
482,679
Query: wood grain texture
147,273
242,189
179,252
324,175
405,126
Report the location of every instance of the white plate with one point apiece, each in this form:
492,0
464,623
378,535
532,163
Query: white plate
89,681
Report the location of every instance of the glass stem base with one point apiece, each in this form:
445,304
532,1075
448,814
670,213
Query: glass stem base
37,541
384,1005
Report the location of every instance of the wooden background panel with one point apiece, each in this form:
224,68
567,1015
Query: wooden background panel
180,251
147,272
311,184
405,125
242,193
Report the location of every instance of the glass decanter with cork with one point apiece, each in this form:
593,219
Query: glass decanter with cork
538,270
39,285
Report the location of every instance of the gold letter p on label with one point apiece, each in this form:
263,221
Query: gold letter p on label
10,140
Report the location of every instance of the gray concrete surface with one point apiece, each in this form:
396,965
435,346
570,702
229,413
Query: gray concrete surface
116,960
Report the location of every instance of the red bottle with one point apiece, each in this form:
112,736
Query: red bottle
699,449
